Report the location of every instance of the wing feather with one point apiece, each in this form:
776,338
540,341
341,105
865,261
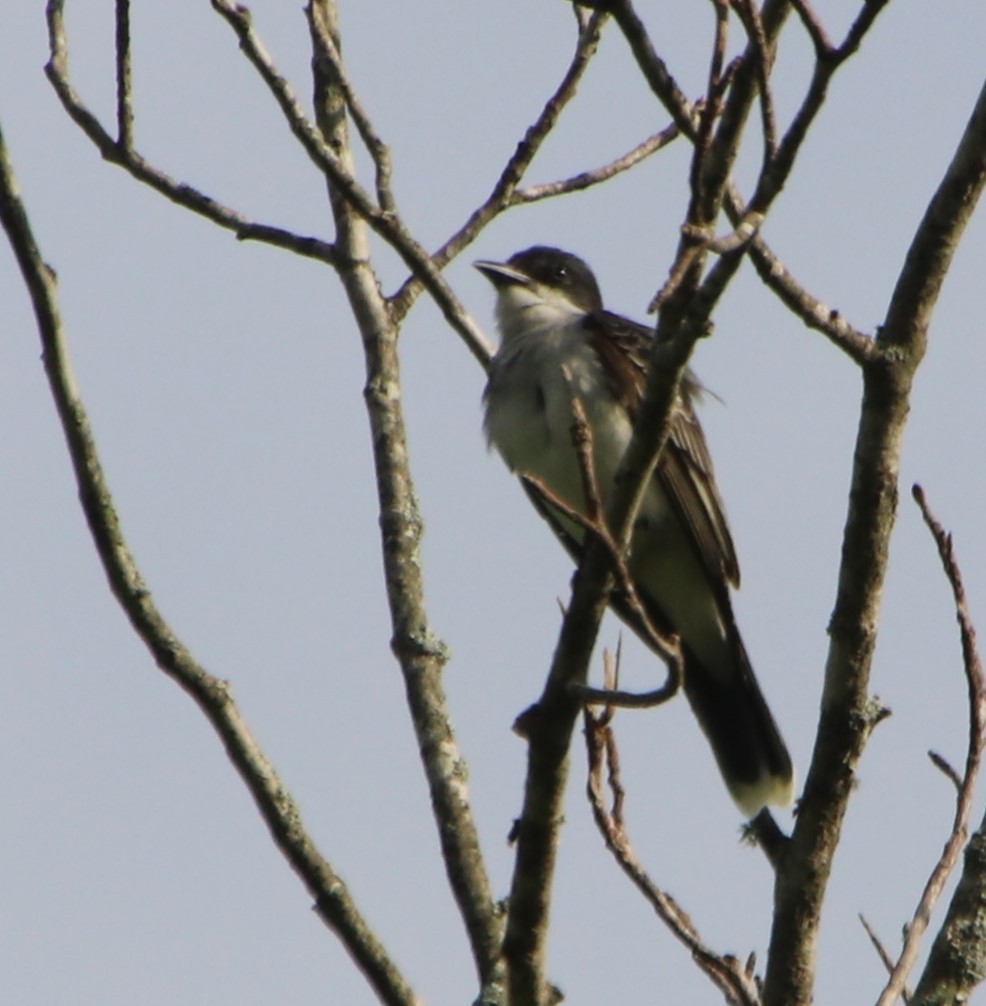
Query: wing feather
685,466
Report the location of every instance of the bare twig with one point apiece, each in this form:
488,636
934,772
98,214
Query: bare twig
854,343
378,150
548,725
710,108
388,225
586,179
124,78
667,647
868,13
713,169
750,16
617,697
653,68
502,194
764,832
122,153
690,251
816,30
882,953
771,270
737,983
333,902
745,231
946,768
976,686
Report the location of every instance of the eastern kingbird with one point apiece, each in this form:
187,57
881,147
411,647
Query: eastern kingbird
558,342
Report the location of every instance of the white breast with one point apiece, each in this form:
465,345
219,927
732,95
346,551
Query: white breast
529,421
529,417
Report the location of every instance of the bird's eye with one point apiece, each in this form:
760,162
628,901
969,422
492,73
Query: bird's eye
561,272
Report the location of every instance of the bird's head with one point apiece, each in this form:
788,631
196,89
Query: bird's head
541,287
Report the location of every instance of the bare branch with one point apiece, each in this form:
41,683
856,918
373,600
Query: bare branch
771,270
763,60
421,655
726,973
765,833
333,902
883,954
709,110
124,78
378,150
976,684
653,68
868,13
744,232
122,153
816,30
855,344
946,769
548,726
502,195
549,723
688,257
845,721
586,179
618,698
388,225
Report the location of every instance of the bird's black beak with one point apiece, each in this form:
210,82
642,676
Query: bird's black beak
500,274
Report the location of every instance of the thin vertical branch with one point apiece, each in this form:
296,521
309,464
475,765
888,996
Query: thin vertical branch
420,654
761,53
124,78
965,785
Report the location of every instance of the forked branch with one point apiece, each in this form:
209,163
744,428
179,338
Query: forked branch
966,781
733,979
333,902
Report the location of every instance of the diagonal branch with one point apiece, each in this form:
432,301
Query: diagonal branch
548,727
655,71
586,179
121,152
502,195
342,181
333,903
750,16
775,275
976,685
733,980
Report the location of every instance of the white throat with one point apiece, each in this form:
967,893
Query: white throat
529,310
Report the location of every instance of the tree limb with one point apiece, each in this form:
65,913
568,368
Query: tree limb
333,902
846,718
121,152
420,654
502,195
958,956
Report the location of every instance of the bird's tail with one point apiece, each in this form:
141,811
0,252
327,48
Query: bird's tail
745,740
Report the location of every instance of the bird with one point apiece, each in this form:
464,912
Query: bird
558,342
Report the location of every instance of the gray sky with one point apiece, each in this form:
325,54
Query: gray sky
224,384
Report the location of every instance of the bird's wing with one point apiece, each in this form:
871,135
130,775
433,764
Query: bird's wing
685,466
